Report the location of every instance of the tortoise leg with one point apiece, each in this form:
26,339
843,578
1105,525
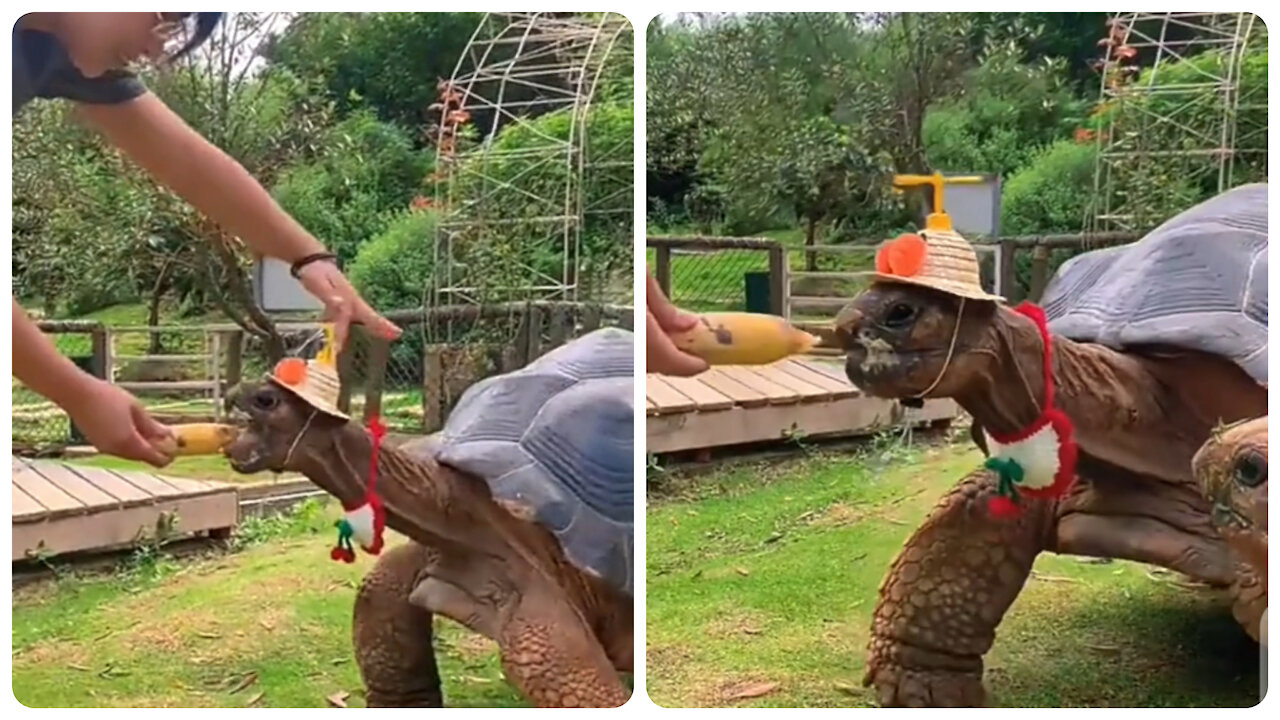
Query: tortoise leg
555,659
944,595
393,637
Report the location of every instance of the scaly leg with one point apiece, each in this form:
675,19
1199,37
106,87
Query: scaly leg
554,659
945,594
393,637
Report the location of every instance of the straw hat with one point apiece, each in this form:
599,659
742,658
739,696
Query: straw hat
315,381
938,259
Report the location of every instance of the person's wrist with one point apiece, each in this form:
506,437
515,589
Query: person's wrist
74,393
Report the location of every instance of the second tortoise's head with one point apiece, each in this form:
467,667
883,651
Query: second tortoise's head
1231,469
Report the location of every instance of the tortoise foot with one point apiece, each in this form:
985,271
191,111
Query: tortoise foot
899,685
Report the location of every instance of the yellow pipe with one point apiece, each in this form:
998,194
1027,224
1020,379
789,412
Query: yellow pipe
938,219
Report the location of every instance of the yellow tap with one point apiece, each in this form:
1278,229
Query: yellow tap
938,219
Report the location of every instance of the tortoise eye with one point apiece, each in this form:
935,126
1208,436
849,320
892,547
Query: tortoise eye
1250,469
899,316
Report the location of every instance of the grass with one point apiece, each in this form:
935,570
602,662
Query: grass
269,626
768,573
214,468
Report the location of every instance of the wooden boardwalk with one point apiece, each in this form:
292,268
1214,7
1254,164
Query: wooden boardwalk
801,396
61,508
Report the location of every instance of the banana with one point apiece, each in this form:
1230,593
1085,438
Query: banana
197,439
740,338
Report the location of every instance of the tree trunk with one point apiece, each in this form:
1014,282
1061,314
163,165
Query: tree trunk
811,240
153,307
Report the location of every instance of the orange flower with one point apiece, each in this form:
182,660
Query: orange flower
902,256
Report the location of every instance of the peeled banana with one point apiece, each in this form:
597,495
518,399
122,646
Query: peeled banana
197,439
740,338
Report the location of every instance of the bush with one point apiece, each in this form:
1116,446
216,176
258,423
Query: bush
1051,194
367,172
394,269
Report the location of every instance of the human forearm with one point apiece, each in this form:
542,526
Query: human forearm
39,365
212,181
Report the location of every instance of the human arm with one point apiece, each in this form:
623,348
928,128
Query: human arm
159,141
112,419
664,318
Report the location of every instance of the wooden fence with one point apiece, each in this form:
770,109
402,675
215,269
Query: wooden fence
784,299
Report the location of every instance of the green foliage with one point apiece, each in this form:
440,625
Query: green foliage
366,172
394,268
388,62
1007,111
1051,194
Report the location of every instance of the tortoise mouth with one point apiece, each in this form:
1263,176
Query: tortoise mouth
1227,517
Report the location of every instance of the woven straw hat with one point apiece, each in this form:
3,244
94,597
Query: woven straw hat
950,265
316,382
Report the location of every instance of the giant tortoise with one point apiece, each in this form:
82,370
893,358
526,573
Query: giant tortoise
1151,346
519,513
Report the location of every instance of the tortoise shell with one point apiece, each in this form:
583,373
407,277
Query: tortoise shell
557,437
1198,282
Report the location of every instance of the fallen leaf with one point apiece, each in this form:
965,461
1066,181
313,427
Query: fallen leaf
1052,578
245,681
81,668
474,679
753,690
849,689
338,661
752,631
1109,649
266,625
253,701
338,699
743,572
775,537
207,635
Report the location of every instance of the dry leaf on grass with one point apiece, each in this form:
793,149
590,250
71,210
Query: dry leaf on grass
750,690
743,572
253,701
245,681
207,635
338,699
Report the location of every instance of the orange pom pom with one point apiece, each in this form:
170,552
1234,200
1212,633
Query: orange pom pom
291,371
904,256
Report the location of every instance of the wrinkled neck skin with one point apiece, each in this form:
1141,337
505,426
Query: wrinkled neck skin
1112,399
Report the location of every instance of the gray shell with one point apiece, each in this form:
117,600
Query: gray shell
1199,281
557,436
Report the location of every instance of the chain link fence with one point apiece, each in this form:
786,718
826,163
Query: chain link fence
709,274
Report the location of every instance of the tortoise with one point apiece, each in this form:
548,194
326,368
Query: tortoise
1151,345
519,514
1231,469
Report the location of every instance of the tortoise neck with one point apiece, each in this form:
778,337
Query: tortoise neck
1009,395
337,459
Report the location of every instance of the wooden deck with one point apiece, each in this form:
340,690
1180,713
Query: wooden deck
733,405
61,508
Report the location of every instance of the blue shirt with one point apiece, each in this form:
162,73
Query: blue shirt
42,69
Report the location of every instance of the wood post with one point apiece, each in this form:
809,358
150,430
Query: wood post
432,389
662,273
1039,271
1007,270
375,379
235,357
561,327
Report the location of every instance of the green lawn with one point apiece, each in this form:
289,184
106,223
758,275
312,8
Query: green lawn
768,573
269,626
214,468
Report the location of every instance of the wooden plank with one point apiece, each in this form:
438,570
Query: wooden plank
807,392
831,370
189,486
153,485
667,398
114,484
739,393
776,394
54,499
861,415
706,397
121,528
75,485
799,370
23,504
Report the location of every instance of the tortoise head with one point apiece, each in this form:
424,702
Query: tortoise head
897,338
280,426
1231,469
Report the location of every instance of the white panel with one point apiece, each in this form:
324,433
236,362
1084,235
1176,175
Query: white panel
277,291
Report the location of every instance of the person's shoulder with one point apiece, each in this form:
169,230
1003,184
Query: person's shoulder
52,75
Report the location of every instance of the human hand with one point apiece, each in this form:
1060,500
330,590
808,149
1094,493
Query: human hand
342,304
116,423
664,318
